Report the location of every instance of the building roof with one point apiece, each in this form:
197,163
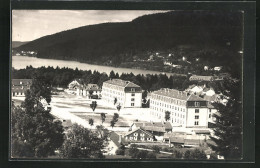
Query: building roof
148,133
204,78
210,98
120,82
91,86
154,126
202,131
115,138
176,140
182,95
24,82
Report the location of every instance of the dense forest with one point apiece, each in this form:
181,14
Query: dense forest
61,77
215,37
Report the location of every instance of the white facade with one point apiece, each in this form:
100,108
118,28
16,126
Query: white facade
126,93
185,109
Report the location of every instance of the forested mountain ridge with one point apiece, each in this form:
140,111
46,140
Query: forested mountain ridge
116,43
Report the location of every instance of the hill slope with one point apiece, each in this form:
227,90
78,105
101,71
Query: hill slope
16,44
155,32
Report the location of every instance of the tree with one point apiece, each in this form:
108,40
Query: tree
34,132
102,132
142,154
82,143
112,123
115,117
91,122
177,154
228,125
151,155
103,117
121,150
187,154
93,105
167,115
90,94
118,107
198,155
133,151
115,100
114,120
156,149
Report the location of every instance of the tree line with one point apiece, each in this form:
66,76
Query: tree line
61,77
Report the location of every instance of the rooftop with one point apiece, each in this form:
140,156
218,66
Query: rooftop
198,77
115,138
120,82
154,126
148,133
173,93
24,81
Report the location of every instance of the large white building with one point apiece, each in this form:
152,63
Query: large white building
126,93
186,110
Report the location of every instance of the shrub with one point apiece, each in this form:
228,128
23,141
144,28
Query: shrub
151,155
177,154
120,152
156,149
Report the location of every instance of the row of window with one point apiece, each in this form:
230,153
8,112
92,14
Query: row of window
109,87
179,120
171,107
169,100
135,138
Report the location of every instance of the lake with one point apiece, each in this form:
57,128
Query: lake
20,62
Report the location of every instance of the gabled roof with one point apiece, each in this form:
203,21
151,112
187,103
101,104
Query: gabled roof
193,97
182,95
146,132
154,126
91,86
24,81
120,82
115,138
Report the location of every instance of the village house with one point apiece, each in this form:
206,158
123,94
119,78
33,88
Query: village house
182,139
156,128
186,110
125,93
20,86
139,135
201,78
73,85
114,143
90,90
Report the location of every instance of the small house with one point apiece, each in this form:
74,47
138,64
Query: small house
140,135
114,143
20,86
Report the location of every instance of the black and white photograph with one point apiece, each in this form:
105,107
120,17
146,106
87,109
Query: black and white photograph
127,84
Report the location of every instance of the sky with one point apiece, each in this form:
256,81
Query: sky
28,25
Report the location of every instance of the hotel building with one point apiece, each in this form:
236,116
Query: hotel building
186,110
126,93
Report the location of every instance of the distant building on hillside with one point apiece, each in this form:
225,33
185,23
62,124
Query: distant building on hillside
20,86
75,83
186,110
125,93
201,78
90,90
